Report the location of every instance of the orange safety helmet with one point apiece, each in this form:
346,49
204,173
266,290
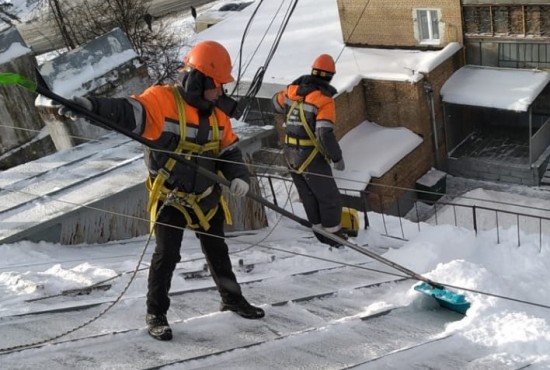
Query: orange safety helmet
323,66
212,59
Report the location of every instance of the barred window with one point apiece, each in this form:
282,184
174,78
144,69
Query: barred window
511,20
477,20
533,19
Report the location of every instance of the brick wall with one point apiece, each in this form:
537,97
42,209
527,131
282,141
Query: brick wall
436,79
391,23
351,110
385,191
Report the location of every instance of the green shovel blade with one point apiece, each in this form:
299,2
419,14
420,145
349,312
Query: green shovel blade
15,79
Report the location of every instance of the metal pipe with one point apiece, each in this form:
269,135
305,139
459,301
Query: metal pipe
430,95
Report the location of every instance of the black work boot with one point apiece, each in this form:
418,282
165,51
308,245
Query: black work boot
158,327
242,308
340,233
332,243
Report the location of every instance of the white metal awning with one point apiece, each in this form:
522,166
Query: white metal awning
499,88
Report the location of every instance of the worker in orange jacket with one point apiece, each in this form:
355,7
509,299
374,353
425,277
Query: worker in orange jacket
192,119
310,145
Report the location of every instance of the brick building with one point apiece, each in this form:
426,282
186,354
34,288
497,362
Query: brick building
418,25
405,23
501,34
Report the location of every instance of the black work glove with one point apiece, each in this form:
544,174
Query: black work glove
228,106
67,112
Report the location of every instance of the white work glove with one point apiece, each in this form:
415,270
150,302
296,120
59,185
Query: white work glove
67,112
239,187
340,165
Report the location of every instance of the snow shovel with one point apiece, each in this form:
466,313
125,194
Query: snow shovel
445,297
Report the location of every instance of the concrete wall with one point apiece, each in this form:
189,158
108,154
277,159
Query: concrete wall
129,78
393,23
475,168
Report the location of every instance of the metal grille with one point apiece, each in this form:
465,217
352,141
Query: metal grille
507,21
524,55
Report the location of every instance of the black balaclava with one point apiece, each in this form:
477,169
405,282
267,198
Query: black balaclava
194,83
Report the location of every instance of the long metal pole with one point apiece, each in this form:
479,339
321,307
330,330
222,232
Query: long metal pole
43,90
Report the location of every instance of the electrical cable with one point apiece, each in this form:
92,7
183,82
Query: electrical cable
259,75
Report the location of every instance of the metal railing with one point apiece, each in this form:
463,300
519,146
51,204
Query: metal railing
475,217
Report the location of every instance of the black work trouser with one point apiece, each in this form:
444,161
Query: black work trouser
319,193
167,255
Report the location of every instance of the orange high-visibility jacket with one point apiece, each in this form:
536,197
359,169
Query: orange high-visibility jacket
159,122
154,115
320,115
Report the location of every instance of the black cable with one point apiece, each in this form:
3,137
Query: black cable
353,30
245,33
258,77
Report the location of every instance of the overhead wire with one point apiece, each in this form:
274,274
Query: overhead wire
147,220
258,77
353,30
347,179
252,91
509,298
247,97
241,46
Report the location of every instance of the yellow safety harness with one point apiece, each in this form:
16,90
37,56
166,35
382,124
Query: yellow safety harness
159,192
304,142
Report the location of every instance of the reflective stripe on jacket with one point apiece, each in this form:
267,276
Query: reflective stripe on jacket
162,117
160,123
319,112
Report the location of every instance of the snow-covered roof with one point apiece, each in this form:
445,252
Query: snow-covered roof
12,45
371,150
314,28
67,74
222,10
500,88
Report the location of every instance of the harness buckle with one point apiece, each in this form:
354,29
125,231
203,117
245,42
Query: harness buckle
163,173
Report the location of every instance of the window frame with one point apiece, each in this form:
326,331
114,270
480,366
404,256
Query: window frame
419,27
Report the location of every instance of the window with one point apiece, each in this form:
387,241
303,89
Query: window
507,21
477,20
428,25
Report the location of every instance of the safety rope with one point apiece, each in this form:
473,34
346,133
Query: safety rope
270,248
350,180
141,257
100,314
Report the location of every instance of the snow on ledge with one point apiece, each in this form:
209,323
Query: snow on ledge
371,150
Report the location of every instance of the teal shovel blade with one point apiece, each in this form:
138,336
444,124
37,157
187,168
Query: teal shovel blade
446,298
